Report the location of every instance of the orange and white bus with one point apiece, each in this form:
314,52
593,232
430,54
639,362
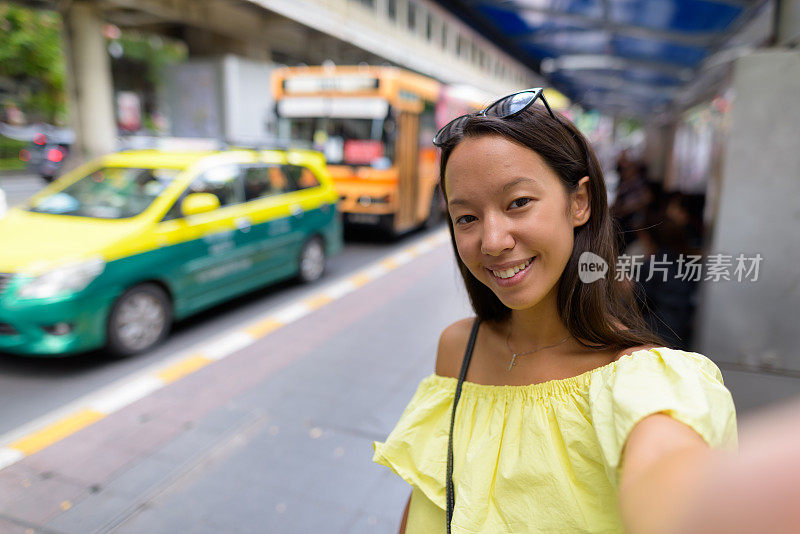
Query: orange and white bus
375,126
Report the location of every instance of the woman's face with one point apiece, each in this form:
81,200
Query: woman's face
512,218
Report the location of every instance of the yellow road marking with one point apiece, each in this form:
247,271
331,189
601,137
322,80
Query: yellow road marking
412,250
390,263
183,368
317,301
56,431
360,280
262,328
432,240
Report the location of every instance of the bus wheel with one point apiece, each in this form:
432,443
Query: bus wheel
139,320
312,260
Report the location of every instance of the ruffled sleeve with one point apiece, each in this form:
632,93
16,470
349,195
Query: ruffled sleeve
685,385
417,447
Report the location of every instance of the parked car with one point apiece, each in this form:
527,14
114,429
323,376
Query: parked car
3,203
114,251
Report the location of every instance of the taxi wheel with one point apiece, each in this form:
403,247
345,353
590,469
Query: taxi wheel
312,260
139,320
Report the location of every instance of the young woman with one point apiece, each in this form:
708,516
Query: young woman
572,417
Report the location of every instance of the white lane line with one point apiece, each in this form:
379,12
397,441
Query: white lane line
339,289
227,344
291,313
127,393
403,257
9,456
376,270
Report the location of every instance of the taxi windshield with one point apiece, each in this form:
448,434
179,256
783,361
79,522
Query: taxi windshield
107,193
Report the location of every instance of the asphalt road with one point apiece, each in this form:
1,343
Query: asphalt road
273,436
33,387
19,186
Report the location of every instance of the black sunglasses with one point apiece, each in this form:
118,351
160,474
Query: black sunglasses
504,108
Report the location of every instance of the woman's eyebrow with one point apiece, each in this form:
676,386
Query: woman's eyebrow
506,187
457,202
518,181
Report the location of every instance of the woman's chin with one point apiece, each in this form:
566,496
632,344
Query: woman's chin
522,298
520,302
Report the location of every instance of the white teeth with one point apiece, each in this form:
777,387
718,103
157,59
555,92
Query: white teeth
508,273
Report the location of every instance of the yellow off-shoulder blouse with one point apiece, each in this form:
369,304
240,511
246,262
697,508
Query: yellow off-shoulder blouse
545,458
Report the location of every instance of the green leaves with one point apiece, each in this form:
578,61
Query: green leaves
31,60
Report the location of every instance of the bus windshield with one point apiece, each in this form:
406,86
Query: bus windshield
344,141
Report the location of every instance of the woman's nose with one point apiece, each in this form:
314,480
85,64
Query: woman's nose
497,236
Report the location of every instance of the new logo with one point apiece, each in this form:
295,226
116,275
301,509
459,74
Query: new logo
591,267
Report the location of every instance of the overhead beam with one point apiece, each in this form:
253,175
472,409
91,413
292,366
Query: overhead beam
224,18
574,62
693,39
701,40
733,3
612,82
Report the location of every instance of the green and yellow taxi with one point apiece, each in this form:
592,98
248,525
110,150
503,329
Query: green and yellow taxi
111,253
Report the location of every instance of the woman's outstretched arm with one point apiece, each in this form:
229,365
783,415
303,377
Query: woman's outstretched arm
664,464
674,484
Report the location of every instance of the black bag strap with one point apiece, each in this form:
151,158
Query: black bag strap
451,498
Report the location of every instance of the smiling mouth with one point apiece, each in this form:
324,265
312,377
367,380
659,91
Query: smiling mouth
511,271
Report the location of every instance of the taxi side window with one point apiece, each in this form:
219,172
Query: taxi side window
224,182
266,180
257,183
300,177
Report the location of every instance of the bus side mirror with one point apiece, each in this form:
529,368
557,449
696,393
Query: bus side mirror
199,203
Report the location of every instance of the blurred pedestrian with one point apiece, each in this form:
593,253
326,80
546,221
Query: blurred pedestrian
632,198
668,286
565,413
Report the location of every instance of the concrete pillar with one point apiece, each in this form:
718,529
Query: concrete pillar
787,22
750,327
657,150
402,14
91,93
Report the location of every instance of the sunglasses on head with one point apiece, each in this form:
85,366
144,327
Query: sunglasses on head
504,108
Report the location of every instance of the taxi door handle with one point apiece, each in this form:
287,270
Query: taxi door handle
243,224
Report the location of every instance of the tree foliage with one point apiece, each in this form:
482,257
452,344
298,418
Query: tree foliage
155,52
31,59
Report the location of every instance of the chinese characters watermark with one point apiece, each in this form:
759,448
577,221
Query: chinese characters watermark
685,267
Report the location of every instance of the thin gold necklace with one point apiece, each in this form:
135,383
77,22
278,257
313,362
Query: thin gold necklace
515,354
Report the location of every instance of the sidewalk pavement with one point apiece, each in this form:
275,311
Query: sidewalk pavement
275,438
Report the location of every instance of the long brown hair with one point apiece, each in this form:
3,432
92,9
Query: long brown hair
603,314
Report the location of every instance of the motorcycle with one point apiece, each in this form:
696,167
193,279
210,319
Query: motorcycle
45,155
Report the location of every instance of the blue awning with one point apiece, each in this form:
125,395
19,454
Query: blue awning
620,56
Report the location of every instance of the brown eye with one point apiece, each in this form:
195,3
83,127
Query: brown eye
465,219
518,203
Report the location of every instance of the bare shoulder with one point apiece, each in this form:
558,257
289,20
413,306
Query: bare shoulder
631,350
452,344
